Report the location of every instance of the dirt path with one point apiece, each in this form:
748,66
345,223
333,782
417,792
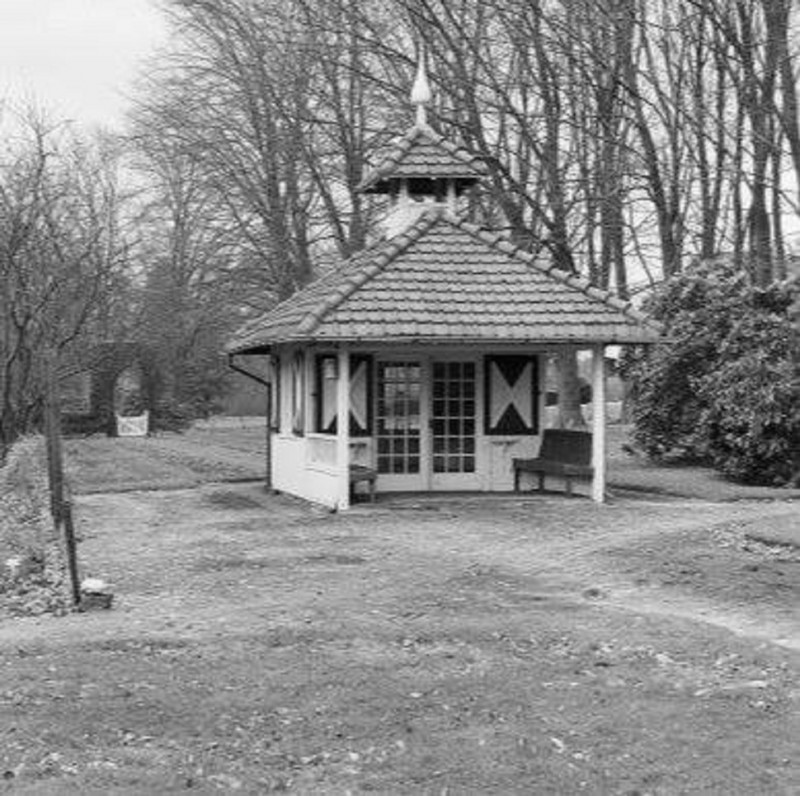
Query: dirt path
492,645
667,558
590,557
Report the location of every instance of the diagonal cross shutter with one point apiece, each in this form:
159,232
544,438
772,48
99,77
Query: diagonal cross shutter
360,397
360,370
298,382
511,395
328,406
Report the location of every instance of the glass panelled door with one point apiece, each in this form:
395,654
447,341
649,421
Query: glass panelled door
399,424
453,421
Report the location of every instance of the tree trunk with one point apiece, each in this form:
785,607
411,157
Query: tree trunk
570,414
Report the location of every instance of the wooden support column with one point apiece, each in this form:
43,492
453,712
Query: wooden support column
343,429
598,423
268,440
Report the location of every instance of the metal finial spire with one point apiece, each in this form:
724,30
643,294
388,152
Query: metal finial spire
421,90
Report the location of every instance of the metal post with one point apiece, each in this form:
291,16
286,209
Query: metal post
268,384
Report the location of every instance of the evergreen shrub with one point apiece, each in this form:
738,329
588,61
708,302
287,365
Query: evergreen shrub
724,385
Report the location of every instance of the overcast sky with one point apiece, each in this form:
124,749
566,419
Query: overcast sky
76,58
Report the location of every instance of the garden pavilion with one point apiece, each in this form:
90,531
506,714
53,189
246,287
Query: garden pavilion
420,360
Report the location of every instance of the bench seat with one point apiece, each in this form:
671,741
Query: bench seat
359,473
564,453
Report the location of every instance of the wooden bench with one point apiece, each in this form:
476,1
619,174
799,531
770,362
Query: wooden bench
562,452
358,473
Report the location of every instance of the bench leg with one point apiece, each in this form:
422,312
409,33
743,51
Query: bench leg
569,485
371,484
541,482
516,480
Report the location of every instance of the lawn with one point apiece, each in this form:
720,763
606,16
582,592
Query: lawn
527,644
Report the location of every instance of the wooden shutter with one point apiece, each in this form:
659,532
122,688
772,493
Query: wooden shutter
511,395
326,395
275,386
298,393
360,396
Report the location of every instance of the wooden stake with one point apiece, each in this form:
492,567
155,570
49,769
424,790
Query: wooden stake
72,558
60,508
52,425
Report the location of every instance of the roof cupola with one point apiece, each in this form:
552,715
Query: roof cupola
423,170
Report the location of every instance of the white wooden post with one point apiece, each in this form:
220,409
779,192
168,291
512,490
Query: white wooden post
311,386
598,423
343,429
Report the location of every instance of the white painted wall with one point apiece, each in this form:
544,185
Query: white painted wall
293,473
498,453
306,466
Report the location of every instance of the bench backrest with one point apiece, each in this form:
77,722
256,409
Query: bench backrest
570,447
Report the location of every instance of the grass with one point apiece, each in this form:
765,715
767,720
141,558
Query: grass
213,452
165,461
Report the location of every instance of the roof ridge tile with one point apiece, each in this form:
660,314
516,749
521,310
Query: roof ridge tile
454,149
568,278
402,146
459,282
353,282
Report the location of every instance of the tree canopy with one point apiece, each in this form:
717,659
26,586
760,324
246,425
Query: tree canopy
625,137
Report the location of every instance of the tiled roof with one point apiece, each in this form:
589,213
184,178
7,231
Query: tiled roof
447,280
422,152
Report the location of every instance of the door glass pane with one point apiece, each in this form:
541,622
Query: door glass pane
398,417
453,420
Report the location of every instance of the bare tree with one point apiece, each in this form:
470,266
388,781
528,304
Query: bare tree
624,136
63,258
756,34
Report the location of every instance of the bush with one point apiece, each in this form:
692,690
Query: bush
31,561
724,385
751,417
25,525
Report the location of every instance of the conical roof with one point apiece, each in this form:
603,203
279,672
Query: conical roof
446,280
